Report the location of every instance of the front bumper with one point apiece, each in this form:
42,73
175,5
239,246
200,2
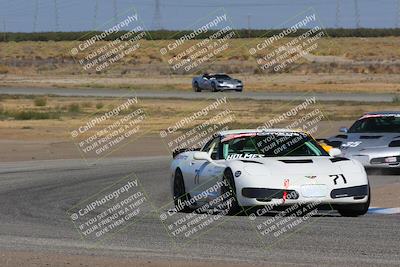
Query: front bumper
250,196
376,158
223,87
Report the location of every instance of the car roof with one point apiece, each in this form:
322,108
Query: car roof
383,113
244,131
214,74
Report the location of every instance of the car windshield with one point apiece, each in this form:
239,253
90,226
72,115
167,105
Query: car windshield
270,145
222,77
377,124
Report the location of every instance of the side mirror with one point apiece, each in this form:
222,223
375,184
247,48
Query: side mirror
335,152
201,155
343,130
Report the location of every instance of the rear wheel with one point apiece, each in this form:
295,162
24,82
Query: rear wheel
180,195
232,206
197,87
354,210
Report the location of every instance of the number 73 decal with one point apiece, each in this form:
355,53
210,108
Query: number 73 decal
352,144
338,176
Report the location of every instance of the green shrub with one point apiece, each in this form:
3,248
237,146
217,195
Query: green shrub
74,108
396,99
99,105
40,101
34,115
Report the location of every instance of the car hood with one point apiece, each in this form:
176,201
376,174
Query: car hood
229,81
301,170
302,165
359,141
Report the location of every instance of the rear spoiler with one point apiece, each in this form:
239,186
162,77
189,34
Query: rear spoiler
176,152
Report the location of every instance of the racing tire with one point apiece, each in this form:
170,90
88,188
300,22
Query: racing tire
214,87
228,179
180,195
355,210
197,87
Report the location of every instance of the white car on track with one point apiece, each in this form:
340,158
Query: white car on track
260,167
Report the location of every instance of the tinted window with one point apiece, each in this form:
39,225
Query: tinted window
382,124
222,77
274,145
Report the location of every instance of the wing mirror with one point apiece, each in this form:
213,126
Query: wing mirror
201,155
343,130
335,152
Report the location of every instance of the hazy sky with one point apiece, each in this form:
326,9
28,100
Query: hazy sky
78,15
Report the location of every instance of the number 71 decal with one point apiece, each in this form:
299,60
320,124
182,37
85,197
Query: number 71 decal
336,177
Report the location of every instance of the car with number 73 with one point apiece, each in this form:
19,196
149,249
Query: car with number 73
262,167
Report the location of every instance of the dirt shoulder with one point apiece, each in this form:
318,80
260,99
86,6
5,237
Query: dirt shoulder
23,258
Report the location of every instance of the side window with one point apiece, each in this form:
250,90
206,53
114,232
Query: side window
212,147
207,146
215,149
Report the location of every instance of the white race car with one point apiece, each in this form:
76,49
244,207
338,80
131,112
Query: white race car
260,167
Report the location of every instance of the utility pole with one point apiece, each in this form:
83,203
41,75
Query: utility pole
398,14
4,30
157,16
96,10
248,25
357,14
35,15
337,23
56,15
115,8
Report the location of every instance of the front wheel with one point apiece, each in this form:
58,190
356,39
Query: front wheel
229,188
355,210
181,198
197,87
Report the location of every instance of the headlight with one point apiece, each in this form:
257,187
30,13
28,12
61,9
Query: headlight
395,143
390,159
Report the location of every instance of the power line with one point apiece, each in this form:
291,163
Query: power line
357,14
157,16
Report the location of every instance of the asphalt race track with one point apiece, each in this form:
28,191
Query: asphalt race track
35,195
203,95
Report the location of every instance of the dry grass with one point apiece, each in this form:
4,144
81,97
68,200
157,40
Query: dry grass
374,67
384,48
160,113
